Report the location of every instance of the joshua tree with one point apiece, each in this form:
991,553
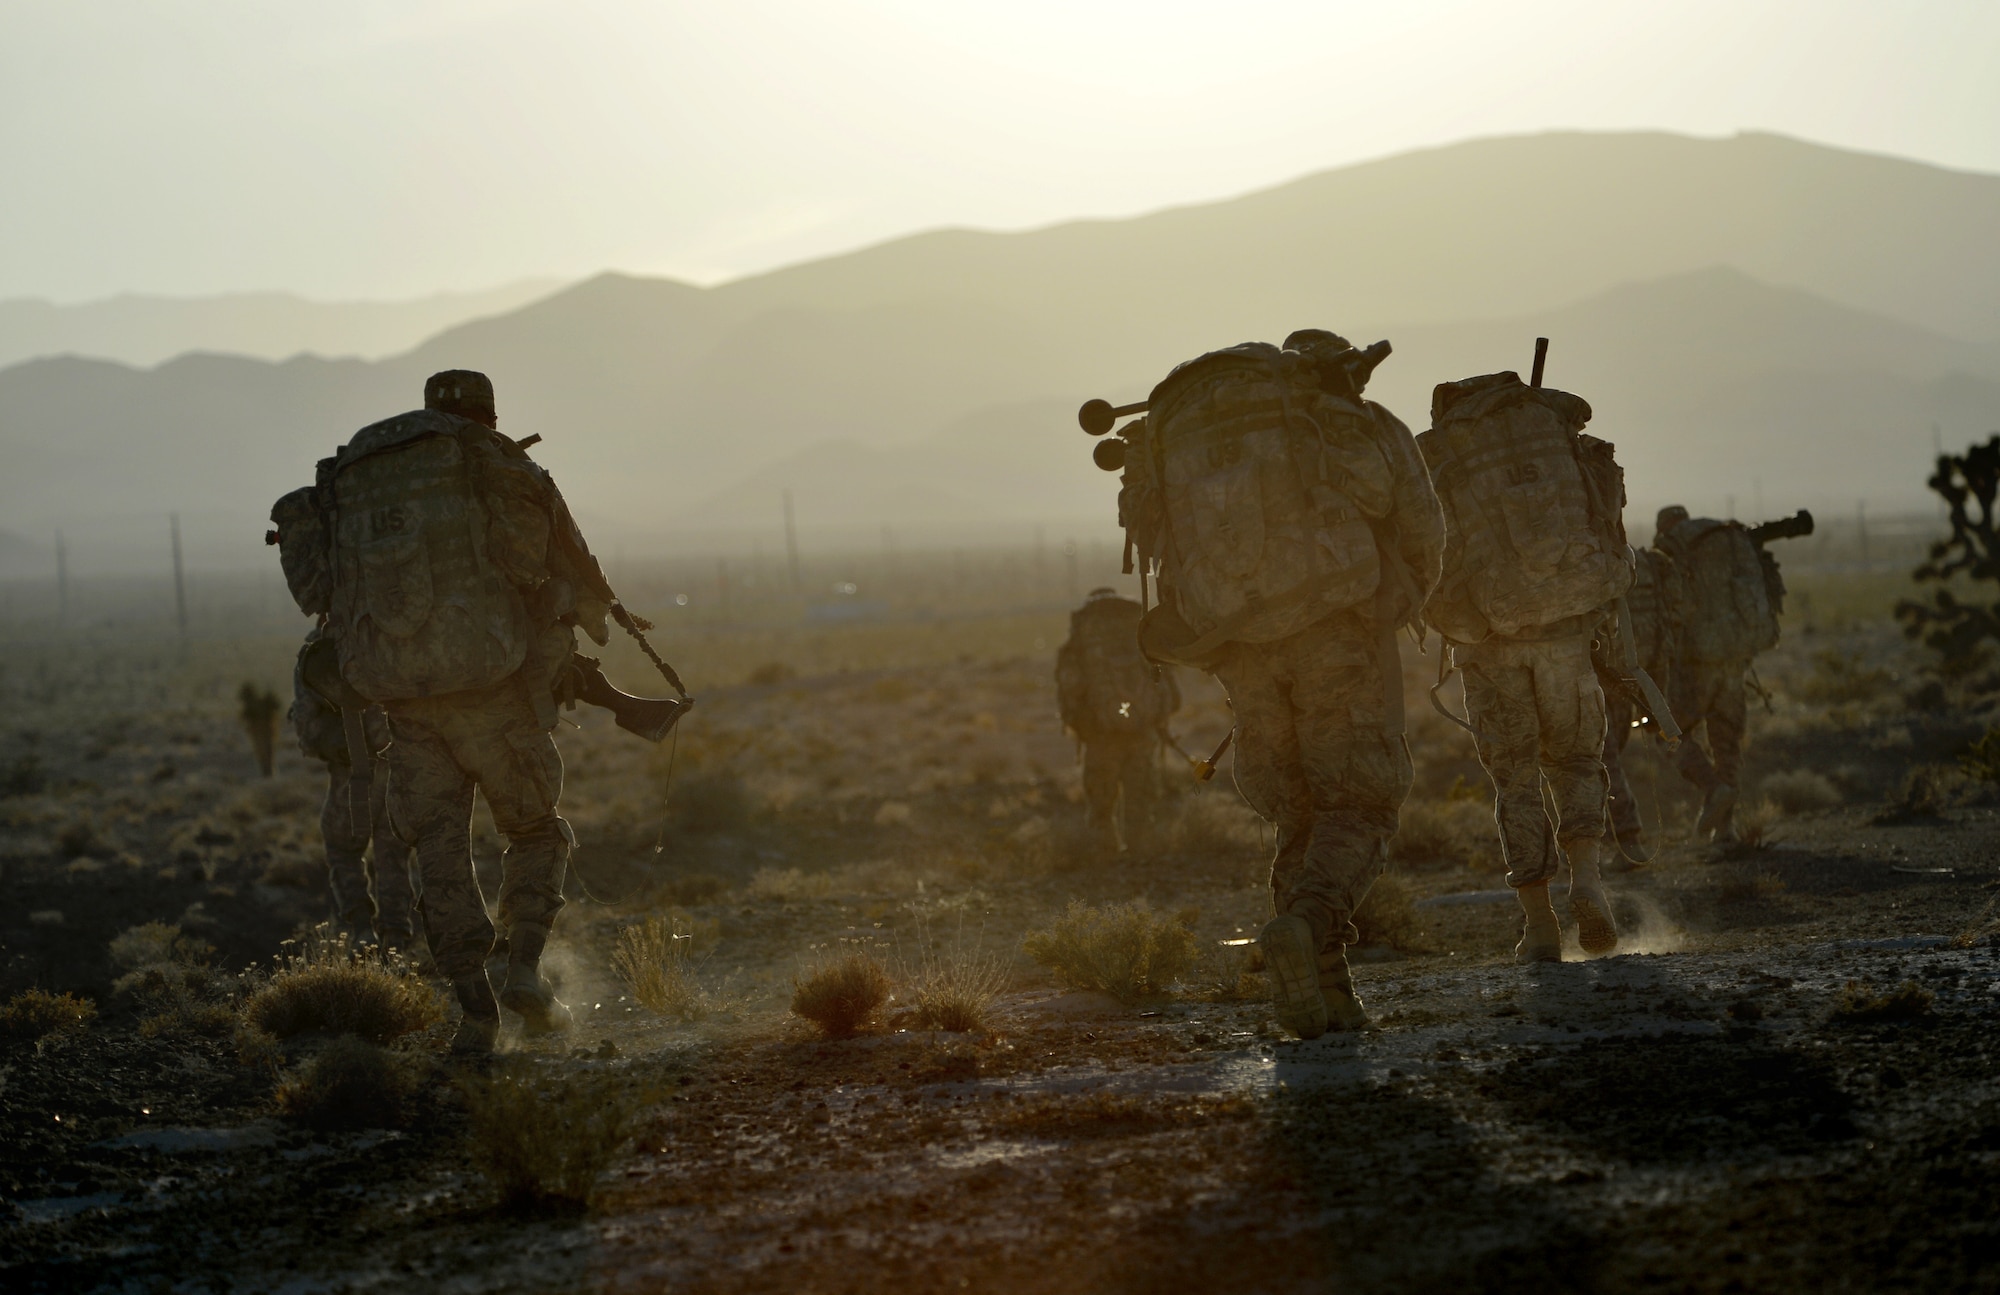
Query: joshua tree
1969,483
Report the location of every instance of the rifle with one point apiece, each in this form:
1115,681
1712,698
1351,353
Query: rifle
1797,526
1203,769
651,718
1634,679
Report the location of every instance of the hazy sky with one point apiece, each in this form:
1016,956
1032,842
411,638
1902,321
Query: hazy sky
372,148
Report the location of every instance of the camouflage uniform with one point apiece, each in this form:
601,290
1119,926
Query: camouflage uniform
1320,754
368,894
1711,694
1653,593
446,746
1539,714
1116,702
1121,787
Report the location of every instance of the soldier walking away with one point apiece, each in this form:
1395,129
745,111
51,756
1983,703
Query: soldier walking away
1294,530
1535,557
1117,703
1655,585
372,896
1730,598
452,578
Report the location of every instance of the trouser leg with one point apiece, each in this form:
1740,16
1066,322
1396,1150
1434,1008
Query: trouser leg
1500,702
430,804
1100,791
346,850
1139,791
395,898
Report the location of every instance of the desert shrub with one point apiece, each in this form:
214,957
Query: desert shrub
77,840
658,961
1923,795
1841,679
1860,1005
36,1013
326,986
543,1146
841,993
692,888
352,1084
1959,630
1755,827
1982,759
1387,914
1800,791
957,982
158,944
22,777
1750,885
1123,949
1210,825
710,801
787,884
1456,830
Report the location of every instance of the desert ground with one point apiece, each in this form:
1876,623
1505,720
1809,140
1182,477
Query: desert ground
1783,1080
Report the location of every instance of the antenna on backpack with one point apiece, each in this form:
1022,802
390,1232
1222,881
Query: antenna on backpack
1541,360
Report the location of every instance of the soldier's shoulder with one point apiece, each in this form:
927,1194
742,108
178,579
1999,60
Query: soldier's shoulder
399,430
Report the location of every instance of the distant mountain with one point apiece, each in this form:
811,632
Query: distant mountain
270,325
1740,311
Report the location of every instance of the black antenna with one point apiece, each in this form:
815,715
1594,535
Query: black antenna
1541,360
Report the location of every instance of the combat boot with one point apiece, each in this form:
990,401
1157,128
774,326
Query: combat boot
1541,933
1293,966
1717,808
527,991
1588,902
1336,986
479,1028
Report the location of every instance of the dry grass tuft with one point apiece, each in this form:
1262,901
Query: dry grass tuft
659,963
1387,914
1456,831
326,986
543,1146
956,982
1755,827
1750,885
840,995
352,1084
783,885
35,1014
1102,1113
1123,949
1860,1005
1800,791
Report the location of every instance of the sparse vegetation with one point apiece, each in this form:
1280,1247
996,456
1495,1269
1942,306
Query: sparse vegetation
1458,830
543,1145
1800,791
841,993
1860,1005
22,776
1756,826
957,982
1387,914
658,961
1958,630
1922,797
1122,949
352,1084
326,986
35,1014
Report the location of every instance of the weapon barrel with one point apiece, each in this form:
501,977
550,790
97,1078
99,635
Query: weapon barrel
1797,526
651,718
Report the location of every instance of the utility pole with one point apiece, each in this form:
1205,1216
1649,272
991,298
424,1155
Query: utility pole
62,581
180,579
791,541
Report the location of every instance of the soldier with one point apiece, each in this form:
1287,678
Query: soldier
1295,530
1730,597
372,898
1116,703
452,576
1536,555
1655,579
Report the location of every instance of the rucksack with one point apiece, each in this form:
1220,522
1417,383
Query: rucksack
1258,493
1534,508
1734,593
419,605
1651,599
1104,684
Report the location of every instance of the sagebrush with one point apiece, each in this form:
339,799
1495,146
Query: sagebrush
543,1145
1125,950
352,1084
324,985
36,1014
841,993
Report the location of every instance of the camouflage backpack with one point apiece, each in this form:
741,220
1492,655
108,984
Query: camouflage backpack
1734,593
1104,685
1654,594
1259,494
1534,509
418,604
